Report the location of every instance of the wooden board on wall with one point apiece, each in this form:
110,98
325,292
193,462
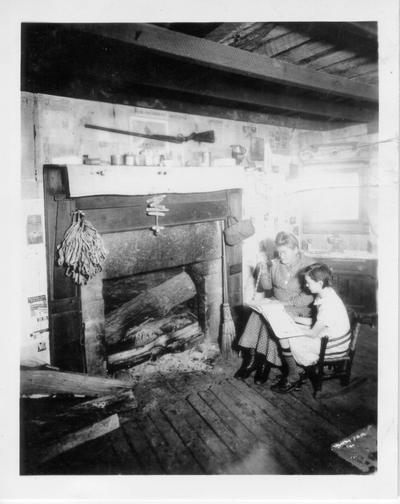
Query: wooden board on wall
65,319
234,256
140,250
115,220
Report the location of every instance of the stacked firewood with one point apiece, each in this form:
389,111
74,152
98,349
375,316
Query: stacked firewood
154,338
153,323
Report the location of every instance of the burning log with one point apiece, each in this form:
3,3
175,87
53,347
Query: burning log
162,344
153,303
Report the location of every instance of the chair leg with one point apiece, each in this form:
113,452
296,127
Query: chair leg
317,378
319,367
317,387
345,379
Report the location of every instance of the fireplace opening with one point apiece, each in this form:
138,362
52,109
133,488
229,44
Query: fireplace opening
156,294
164,324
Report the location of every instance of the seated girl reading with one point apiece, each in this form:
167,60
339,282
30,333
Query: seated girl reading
331,320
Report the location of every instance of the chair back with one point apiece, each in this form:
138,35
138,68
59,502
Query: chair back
355,329
354,332
341,363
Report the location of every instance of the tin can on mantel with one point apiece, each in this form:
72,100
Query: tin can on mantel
129,159
116,159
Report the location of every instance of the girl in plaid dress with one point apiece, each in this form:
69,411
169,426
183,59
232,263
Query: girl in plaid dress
284,276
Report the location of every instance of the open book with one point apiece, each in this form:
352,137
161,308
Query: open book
280,321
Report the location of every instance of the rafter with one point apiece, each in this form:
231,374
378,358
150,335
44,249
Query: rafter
282,44
307,51
225,32
331,59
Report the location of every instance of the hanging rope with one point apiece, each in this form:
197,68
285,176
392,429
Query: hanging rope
82,250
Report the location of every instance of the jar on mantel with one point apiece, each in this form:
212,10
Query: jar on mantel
116,159
129,159
139,160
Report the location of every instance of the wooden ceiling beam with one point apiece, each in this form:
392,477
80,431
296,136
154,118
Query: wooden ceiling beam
369,78
277,46
228,90
324,62
343,66
225,33
146,99
251,41
307,52
277,31
363,69
210,54
342,35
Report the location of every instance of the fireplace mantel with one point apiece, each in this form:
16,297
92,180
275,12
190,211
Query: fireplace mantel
90,180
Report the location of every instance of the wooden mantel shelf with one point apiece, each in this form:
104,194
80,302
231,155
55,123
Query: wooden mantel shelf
90,180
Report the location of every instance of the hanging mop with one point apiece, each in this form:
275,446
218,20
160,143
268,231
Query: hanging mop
82,250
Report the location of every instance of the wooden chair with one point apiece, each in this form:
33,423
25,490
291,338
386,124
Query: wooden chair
330,366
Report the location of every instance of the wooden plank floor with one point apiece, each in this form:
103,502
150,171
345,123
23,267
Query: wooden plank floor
210,423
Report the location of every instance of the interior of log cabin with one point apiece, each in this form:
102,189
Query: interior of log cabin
161,162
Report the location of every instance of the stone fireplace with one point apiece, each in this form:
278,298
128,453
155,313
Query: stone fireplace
138,260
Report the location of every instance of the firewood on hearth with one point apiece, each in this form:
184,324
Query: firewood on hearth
151,329
163,344
153,303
